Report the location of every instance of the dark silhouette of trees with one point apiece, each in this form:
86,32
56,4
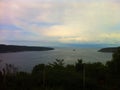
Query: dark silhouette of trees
79,66
15,48
58,76
114,64
113,67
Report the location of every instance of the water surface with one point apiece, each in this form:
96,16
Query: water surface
27,60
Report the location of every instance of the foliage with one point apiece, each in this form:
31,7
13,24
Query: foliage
113,67
58,76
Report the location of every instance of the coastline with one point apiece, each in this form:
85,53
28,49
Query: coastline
16,48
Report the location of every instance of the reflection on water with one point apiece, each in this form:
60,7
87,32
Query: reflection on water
26,60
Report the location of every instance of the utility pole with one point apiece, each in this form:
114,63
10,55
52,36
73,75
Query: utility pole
83,76
44,79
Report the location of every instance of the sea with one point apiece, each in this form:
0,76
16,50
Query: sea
25,61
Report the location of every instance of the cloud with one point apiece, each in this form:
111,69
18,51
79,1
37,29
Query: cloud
65,21
111,35
86,21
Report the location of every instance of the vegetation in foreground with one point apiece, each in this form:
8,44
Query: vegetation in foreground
57,76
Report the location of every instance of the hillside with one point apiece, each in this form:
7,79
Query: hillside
109,49
15,48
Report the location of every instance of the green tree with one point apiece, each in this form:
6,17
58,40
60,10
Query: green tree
114,71
38,69
39,75
57,65
79,66
114,64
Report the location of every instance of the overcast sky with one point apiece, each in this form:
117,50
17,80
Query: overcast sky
60,21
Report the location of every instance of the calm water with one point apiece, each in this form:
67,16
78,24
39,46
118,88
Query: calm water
27,60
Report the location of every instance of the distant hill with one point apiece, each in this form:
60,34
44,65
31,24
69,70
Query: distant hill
109,49
16,48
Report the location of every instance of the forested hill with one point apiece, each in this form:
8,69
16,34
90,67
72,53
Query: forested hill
109,49
15,48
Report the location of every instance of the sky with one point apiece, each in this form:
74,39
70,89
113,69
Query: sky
59,22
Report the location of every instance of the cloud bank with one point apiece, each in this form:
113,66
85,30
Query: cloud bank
65,21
